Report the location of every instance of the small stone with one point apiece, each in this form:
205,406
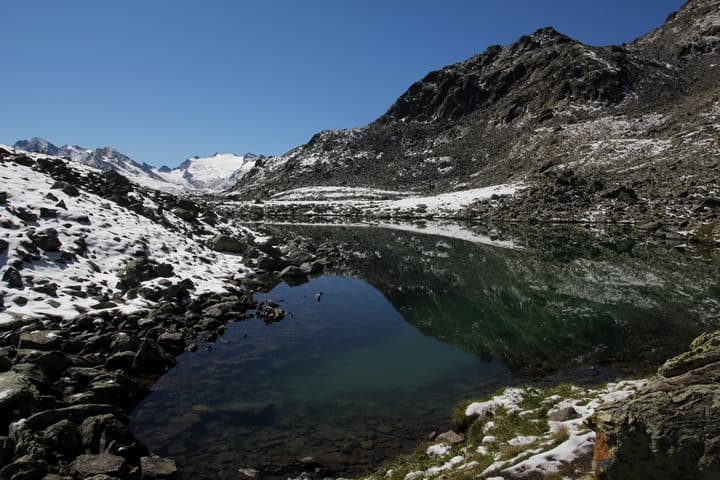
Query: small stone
563,414
450,437
248,473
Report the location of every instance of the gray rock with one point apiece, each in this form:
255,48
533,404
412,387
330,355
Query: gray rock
293,272
270,264
248,473
150,358
19,395
99,432
13,278
312,268
25,468
185,214
226,243
172,342
101,464
76,414
563,414
46,240
157,467
64,437
141,269
43,340
48,212
120,361
450,437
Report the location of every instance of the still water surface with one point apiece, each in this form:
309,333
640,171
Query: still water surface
418,323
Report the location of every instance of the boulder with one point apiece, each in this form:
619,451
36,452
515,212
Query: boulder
64,437
18,395
270,264
43,340
172,342
98,432
142,269
25,468
226,243
293,272
13,278
102,464
671,428
46,240
120,361
75,413
185,214
150,358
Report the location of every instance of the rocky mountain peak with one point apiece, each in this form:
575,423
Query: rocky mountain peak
537,73
37,144
691,32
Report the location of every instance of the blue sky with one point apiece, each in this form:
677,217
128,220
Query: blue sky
162,80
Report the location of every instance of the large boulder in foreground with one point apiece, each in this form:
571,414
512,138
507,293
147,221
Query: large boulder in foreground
671,429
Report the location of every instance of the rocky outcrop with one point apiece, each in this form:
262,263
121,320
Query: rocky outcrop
671,429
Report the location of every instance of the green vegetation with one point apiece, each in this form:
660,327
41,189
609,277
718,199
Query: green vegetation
508,434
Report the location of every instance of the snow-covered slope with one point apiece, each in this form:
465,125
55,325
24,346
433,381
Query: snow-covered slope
63,246
212,173
218,172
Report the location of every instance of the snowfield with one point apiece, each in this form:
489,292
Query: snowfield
217,172
337,200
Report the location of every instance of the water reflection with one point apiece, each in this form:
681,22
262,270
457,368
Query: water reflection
554,300
380,361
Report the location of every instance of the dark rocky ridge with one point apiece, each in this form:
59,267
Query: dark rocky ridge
642,116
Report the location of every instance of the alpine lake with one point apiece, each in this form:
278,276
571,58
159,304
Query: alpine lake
375,354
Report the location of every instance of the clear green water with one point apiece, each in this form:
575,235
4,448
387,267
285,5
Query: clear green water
384,356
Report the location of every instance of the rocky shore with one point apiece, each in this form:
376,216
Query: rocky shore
78,352
662,427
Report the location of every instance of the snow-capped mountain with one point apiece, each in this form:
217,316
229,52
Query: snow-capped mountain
217,172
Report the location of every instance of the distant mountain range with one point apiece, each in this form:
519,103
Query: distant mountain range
215,173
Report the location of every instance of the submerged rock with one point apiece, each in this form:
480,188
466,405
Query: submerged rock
671,429
157,467
89,465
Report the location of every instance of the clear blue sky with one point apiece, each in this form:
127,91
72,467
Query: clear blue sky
162,80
